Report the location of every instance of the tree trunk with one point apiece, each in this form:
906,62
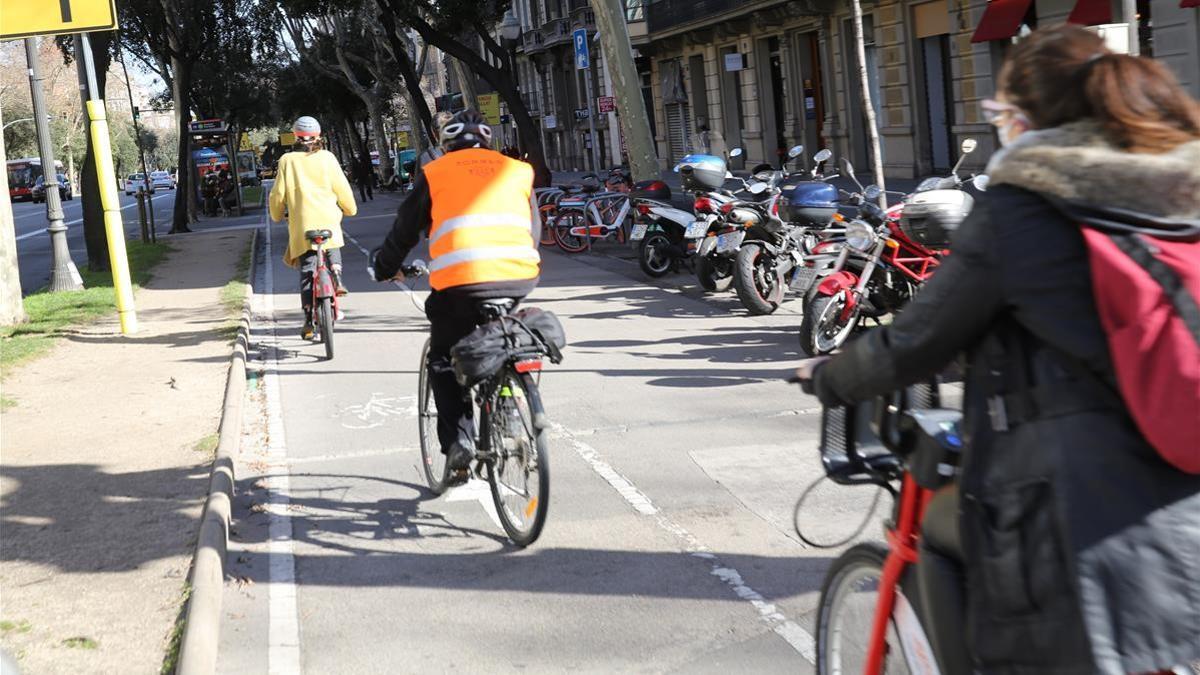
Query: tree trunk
94,236
185,192
382,142
410,74
12,307
868,109
634,118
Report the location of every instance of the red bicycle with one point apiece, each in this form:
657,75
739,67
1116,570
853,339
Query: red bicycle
323,309
870,618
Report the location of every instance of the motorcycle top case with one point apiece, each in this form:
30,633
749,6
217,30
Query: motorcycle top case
929,217
701,173
810,203
651,189
485,350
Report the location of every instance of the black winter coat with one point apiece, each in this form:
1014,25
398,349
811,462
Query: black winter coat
1082,546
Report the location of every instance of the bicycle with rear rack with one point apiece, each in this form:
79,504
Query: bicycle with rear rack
511,451
583,219
870,617
323,307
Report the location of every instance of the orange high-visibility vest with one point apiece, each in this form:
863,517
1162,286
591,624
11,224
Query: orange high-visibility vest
481,229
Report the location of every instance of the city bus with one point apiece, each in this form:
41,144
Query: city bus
23,173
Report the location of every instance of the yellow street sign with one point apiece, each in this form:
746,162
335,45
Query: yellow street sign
245,144
489,107
402,139
26,18
287,138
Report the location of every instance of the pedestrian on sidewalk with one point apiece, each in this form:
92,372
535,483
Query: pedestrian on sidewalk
312,192
363,176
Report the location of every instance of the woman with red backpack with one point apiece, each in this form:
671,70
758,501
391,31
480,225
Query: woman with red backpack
1071,543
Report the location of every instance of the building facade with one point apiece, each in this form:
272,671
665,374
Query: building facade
767,75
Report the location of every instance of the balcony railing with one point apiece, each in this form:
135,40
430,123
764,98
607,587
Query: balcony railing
665,14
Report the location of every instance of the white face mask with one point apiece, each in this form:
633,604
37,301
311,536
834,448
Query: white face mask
1016,125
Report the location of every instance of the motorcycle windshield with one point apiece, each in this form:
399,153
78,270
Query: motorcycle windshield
709,162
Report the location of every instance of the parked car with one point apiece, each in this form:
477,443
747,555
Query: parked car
162,179
138,181
64,189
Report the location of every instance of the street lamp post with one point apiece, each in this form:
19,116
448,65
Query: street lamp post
510,30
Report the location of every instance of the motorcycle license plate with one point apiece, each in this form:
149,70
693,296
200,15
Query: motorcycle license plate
696,230
638,232
730,241
803,279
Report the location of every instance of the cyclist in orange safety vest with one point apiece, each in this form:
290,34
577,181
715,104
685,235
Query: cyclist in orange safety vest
478,211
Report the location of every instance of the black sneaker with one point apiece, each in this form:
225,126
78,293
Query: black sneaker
459,458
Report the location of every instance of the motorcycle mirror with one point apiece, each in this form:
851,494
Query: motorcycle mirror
981,182
823,156
736,152
969,145
872,193
848,169
758,188
795,151
677,167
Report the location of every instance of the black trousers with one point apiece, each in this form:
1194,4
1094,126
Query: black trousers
452,316
943,583
308,265
365,191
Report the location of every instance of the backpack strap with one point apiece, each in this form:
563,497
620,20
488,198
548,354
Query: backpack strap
1141,250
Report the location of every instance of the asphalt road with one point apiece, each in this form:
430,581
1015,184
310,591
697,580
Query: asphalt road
33,242
676,458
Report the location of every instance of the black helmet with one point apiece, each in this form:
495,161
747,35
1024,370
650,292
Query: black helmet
467,129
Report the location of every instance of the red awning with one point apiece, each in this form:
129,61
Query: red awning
1092,12
1001,19
1190,3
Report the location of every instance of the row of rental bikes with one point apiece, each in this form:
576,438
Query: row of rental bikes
850,255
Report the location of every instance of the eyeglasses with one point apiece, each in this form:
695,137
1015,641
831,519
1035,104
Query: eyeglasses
994,112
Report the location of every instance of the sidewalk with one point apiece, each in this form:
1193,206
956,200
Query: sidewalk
104,469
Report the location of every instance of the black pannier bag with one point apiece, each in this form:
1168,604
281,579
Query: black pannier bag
529,332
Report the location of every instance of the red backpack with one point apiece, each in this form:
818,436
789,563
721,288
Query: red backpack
1147,289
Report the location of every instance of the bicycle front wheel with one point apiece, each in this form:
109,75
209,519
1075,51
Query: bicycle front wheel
847,612
433,461
563,224
325,318
520,474
548,238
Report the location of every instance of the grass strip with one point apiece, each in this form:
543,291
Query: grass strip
52,314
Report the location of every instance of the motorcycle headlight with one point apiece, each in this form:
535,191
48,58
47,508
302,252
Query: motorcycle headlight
860,235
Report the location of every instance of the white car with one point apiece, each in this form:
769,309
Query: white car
161,179
136,179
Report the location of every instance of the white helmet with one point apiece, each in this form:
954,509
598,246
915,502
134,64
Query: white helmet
306,127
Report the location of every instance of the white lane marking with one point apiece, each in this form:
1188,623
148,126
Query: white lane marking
283,637
799,639
78,220
476,491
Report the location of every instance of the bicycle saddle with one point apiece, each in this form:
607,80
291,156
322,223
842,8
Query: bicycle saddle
312,235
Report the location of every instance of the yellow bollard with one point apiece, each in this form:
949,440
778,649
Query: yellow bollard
113,227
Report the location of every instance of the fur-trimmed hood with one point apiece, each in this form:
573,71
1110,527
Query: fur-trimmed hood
1075,163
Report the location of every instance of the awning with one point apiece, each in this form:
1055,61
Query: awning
1190,3
1001,20
1092,12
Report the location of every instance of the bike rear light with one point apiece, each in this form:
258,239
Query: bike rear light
703,205
527,366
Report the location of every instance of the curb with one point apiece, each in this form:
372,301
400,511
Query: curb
202,619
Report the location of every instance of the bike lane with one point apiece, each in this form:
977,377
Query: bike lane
675,455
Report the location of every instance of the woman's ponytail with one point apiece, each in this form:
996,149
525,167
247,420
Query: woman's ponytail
1066,73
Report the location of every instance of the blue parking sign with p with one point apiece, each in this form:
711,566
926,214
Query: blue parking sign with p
582,61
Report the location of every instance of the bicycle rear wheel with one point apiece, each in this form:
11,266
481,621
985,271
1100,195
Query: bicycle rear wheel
520,474
566,220
325,318
548,238
847,611
433,461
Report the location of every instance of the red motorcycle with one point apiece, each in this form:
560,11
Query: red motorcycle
888,254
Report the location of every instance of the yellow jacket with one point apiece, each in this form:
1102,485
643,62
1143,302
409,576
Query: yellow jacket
312,189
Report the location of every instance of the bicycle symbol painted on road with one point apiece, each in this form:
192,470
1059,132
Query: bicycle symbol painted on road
376,411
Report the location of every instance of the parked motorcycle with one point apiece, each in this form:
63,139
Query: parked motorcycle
888,254
791,244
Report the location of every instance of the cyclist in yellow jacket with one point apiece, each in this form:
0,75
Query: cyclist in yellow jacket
313,193
477,208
